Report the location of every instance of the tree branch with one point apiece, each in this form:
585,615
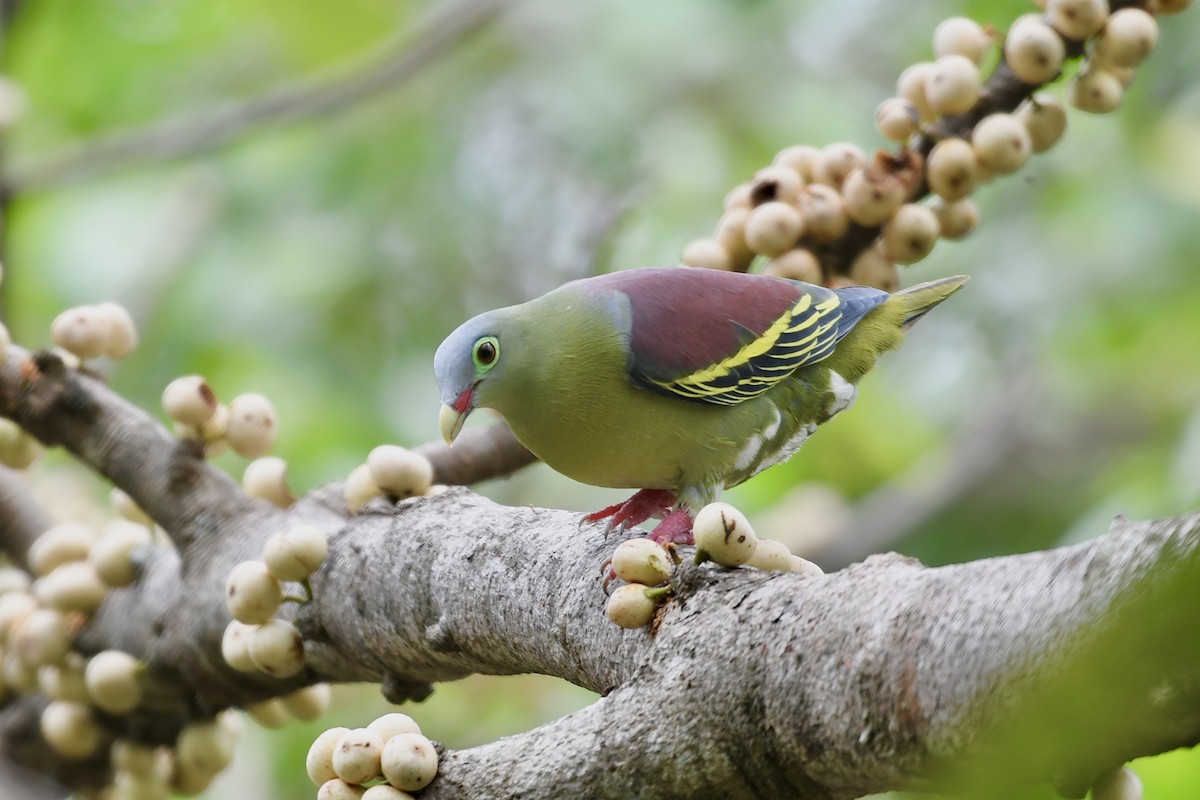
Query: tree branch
22,519
479,454
884,675
336,89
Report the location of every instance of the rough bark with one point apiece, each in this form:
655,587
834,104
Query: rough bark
1005,673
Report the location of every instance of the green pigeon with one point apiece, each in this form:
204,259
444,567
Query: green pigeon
675,381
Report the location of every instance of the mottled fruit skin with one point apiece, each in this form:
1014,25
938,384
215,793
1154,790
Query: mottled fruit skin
682,380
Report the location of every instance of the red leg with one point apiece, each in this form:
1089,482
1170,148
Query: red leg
676,528
636,510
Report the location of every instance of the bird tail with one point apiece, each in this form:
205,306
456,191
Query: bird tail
916,301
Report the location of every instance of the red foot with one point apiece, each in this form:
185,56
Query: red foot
676,528
636,510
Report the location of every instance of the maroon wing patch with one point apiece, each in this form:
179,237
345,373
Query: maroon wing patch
686,319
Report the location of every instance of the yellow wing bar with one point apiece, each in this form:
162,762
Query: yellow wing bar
805,334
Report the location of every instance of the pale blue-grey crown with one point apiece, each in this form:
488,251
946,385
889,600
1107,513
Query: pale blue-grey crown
453,365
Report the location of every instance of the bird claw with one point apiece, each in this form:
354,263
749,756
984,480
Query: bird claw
644,504
675,529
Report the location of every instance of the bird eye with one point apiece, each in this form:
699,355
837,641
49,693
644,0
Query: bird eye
486,351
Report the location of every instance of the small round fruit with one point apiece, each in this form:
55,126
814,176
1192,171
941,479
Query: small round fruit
65,681
1097,91
1033,50
295,553
1002,143
394,724
738,197
771,556
805,567
42,637
385,791
82,331
399,471
356,757
205,747
1077,19
724,533
71,587
960,36
61,544
18,450
871,195
189,400
308,703
252,427
773,228
798,264
122,336
911,86
836,162
952,170
823,211
252,593
14,579
705,254
338,789
1045,119
112,681
360,489
775,183
952,86
70,729
911,234
266,478
872,268
235,646
957,219
1129,37
409,761
125,506
319,762
14,608
270,714
141,760
19,676
112,554
731,235
277,649
897,119
629,607
642,561
187,782
801,158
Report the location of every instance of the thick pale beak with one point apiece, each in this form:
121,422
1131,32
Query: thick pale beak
451,422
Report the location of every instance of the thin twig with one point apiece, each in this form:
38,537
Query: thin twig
477,455
330,91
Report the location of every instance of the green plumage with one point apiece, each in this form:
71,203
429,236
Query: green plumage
562,380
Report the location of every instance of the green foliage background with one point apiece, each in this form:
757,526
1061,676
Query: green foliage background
322,262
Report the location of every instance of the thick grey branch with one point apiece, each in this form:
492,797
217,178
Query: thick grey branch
1008,672
992,677
72,409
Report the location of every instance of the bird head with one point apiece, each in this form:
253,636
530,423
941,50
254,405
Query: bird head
462,365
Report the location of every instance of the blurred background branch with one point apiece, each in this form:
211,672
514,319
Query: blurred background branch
394,63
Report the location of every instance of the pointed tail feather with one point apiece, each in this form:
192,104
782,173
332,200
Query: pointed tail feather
916,301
